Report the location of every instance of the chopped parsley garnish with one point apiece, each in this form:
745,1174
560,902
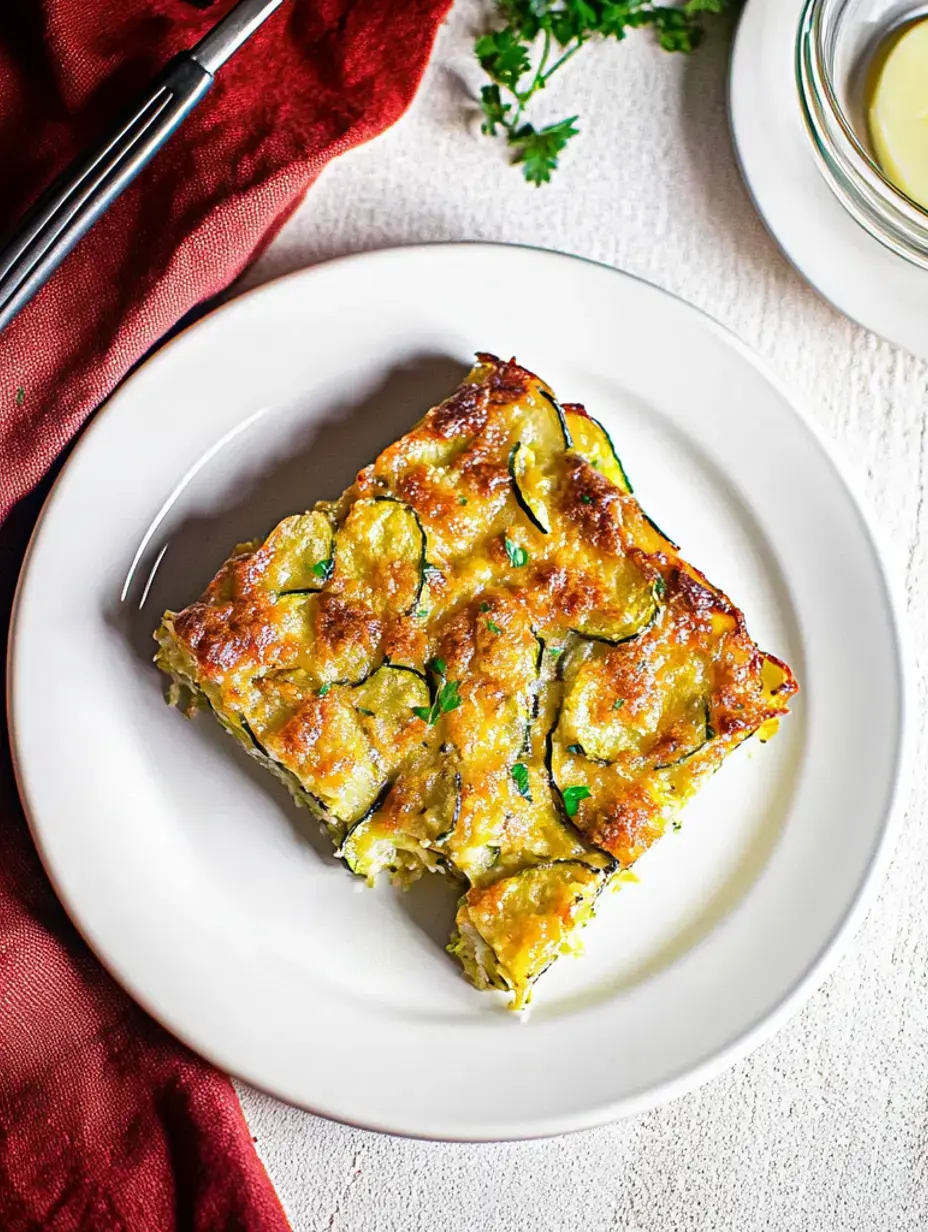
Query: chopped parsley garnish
369,713
572,797
21,395
462,500
446,698
618,703
325,688
323,568
586,498
660,588
422,612
554,651
518,557
484,607
493,627
519,774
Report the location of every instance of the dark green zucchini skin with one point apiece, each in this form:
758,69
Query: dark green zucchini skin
561,418
615,456
654,526
386,661
522,499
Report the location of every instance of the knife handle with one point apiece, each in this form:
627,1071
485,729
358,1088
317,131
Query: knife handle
69,208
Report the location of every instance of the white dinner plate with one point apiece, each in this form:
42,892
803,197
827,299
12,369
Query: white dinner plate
219,905
839,258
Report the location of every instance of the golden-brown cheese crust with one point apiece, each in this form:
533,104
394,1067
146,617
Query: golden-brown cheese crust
497,602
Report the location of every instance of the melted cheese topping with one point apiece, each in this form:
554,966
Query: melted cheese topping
552,680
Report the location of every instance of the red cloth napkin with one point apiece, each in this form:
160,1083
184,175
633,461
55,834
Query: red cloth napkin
320,77
106,1123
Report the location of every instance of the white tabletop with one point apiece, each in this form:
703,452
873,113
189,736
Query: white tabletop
826,1126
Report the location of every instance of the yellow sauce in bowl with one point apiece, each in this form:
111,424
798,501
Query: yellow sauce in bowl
897,112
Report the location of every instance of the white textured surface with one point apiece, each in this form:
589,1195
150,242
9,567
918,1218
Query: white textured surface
826,1126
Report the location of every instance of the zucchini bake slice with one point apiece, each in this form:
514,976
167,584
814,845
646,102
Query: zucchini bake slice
484,659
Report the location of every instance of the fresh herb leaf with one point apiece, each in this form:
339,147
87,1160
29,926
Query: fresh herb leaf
517,555
369,713
448,698
323,568
572,797
21,395
538,150
439,667
325,688
660,588
493,627
554,651
586,499
484,607
618,703
422,612
519,774
538,37
462,500
503,56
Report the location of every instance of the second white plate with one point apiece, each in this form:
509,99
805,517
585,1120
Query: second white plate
850,268
217,903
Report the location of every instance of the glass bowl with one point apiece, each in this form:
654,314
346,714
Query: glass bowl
834,53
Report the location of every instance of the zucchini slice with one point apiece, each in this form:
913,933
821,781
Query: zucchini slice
530,485
593,726
301,550
509,932
405,837
691,734
380,555
591,441
344,742
586,725
626,618
564,430
385,702
257,750
534,468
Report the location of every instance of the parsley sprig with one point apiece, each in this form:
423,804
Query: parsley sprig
539,37
446,695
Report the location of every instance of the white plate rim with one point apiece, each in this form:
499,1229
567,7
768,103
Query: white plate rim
831,951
